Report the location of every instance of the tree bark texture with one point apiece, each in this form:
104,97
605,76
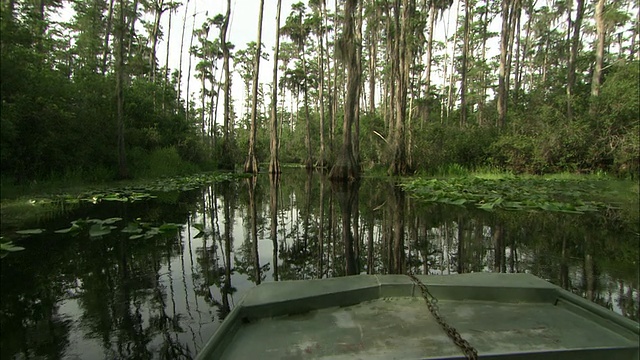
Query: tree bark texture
346,167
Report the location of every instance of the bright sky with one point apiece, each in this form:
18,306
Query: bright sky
243,29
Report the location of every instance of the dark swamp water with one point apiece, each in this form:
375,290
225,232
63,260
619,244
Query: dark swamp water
112,297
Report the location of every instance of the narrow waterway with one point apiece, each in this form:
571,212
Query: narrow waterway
116,296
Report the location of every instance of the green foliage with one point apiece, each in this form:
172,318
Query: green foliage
436,147
531,194
7,247
160,162
65,127
97,228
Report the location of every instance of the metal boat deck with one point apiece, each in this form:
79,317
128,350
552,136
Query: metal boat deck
514,316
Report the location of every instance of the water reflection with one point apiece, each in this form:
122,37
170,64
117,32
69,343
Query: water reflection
77,297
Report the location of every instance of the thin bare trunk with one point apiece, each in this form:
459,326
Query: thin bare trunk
633,52
166,62
123,171
503,72
513,15
193,31
573,55
274,161
307,118
597,71
373,61
251,166
516,75
427,88
321,160
356,135
105,49
483,57
453,55
159,10
226,144
463,75
330,83
184,26
132,26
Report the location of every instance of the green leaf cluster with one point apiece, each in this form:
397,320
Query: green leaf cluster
517,193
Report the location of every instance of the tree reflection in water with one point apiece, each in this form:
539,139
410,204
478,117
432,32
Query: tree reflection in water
163,297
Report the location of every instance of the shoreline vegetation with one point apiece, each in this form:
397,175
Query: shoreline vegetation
487,189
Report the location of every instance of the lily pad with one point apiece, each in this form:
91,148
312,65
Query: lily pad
30,231
97,230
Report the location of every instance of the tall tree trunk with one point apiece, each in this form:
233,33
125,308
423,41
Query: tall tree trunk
105,49
203,93
373,62
274,161
346,167
391,59
516,74
159,10
227,161
330,83
132,27
633,51
573,55
513,15
123,171
399,164
502,81
483,57
356,135
251,166
187,97
308,163
184,26
450,99
321,160
427,87
166,62
525,50
597,70
336,97
463,75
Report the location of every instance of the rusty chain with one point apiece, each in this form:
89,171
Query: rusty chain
432,303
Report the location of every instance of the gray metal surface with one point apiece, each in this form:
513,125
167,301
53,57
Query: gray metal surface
384,317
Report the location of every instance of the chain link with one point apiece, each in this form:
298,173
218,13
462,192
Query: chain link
432,303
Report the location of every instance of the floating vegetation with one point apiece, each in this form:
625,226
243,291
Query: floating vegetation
146,230
528,194
8,247
139,192
30,231
99,227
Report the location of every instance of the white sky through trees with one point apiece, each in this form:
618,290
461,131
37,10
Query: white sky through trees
243,29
